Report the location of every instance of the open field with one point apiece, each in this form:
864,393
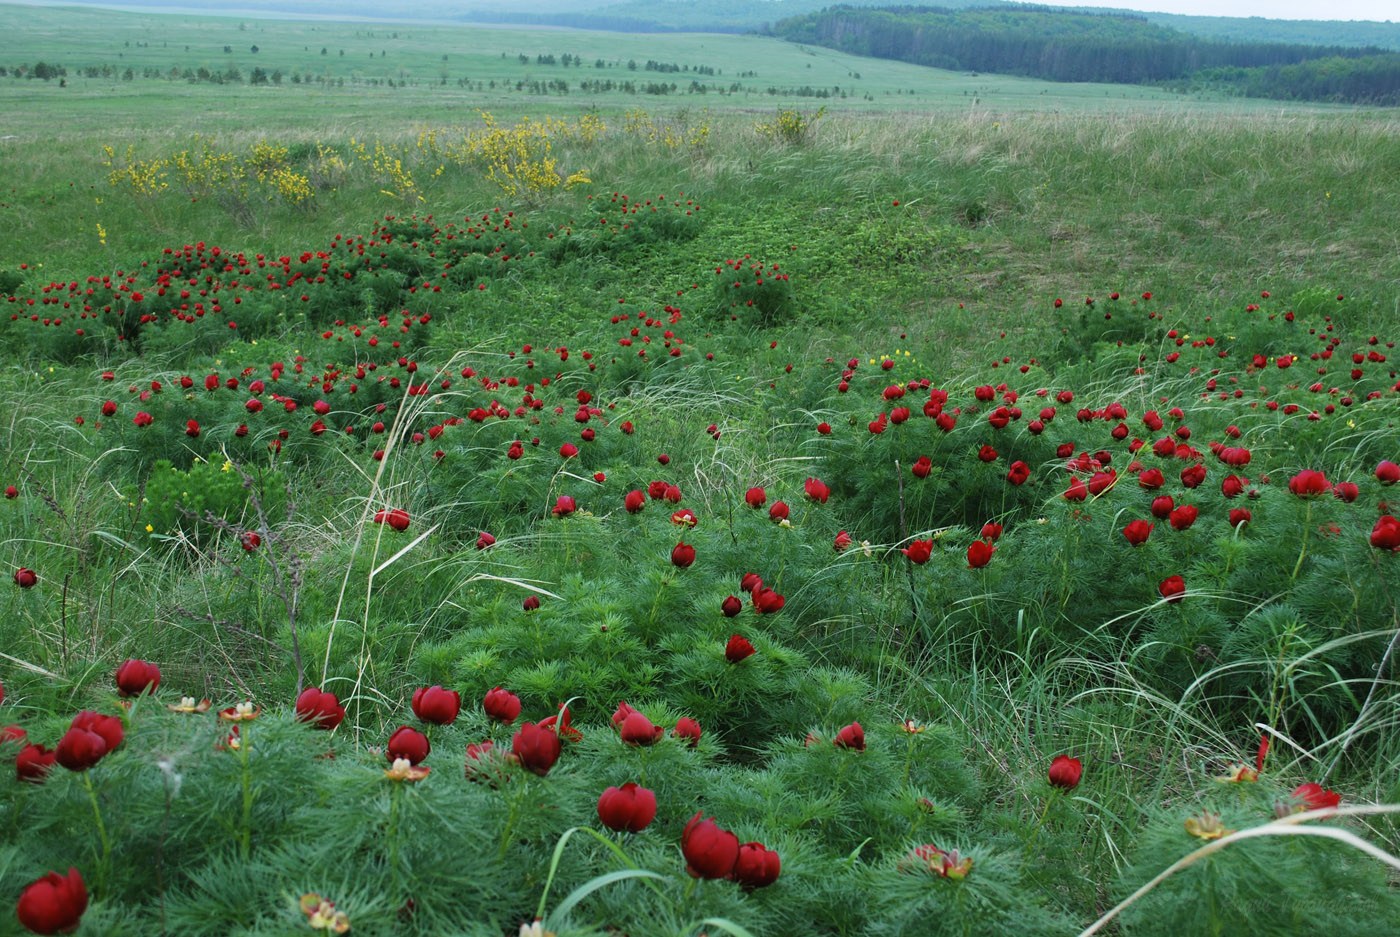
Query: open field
947,493
349,86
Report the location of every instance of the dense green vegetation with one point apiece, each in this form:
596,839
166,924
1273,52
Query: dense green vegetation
1066,46
355,391
1351,33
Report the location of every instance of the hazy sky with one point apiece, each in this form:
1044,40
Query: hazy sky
1381,10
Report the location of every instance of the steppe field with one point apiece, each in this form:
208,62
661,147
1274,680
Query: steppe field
494,481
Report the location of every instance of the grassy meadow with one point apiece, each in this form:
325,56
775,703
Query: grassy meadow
952,506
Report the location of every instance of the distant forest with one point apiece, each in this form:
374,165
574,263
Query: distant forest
739,16
1124,48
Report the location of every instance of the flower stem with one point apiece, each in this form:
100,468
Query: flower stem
395,795
1035,833
105,862
656,601
245,836
510,823
1307,529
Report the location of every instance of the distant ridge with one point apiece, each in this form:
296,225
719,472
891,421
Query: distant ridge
746,16
1059,44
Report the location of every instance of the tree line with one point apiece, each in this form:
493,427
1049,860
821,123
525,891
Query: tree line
1115,47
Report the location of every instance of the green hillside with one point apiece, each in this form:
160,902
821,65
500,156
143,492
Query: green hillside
1301,32
1064,45
388,78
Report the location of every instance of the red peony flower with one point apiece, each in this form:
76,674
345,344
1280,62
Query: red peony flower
979,554
530,603
250,541
636,729
136,677
1385,535
80,749
842,541
1151,479
816,490
624,709
53,904
1173,588
1137,532
1387,472
731,606
1193,475
627,809
737,649
1184,516
485,540
918,551
436,705
1018,473
501,706
710,852
33,763
851,736
634,501
685,517
408,743
682,555
1314,797
1100,482
757,866
90,737
1240,516
321,709
536,748
26,578
778,511
766,601
1162,507
562,725
564,506
1309,484
688,730
1065,772
755,498
396,518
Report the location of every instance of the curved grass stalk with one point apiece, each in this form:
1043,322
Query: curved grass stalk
592,885
1287,826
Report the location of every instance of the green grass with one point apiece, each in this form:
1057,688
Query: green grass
426,64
